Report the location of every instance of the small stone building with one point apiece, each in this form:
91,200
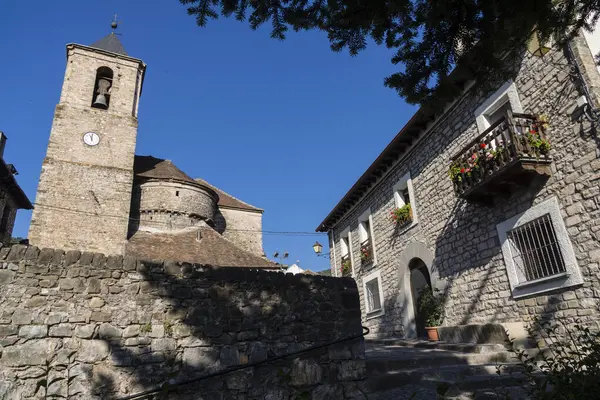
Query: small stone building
96,195
12,197
483,198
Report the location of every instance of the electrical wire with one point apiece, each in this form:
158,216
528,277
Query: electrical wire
130,219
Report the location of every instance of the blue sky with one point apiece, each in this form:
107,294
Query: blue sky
286,126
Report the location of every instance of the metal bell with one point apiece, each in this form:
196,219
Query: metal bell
100,101
103,89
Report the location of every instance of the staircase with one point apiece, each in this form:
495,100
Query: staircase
408,369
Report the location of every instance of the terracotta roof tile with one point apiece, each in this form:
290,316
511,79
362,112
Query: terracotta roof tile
211,249
157,168
227,200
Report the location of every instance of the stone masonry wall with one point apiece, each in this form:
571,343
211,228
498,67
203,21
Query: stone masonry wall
244,228
171,205
122,326
84,193
462,236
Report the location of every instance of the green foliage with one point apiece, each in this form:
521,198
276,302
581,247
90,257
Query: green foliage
346,267
431,307
429,37
303,396
168,327
146,328
366,254
540,146
18,240
569,368
402,215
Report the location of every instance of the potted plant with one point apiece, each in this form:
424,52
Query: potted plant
365,255
346,267
431,308
402,215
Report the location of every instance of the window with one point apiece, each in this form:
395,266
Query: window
346,265
102,88
404,200
365,235
373,295
494,108
537,251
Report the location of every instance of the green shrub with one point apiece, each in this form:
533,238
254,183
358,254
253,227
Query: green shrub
431,307
568,367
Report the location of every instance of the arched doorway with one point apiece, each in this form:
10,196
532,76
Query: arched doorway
418,258
419,281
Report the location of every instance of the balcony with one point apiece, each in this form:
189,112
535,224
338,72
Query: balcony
346,269
366,252
509,153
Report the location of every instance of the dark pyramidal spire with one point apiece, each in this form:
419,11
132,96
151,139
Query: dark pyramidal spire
111,42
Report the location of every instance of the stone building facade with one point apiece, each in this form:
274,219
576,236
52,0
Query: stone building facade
95,194
12,197
529,249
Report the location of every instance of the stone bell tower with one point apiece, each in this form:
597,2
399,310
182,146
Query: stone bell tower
84,194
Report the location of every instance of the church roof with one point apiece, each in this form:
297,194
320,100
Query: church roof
157,168
184,246
110,43
227,200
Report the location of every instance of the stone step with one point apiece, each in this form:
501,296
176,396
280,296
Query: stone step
463,377
392,358
424,344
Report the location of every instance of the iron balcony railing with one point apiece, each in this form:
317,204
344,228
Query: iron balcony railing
366,252
516,140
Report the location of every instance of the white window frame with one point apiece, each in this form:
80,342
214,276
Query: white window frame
406,183
571,276
333,255
373,313
506,93
346,234
367,217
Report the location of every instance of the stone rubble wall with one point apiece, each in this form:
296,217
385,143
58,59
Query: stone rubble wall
462,237
111,326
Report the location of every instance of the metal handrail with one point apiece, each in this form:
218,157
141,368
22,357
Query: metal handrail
167,386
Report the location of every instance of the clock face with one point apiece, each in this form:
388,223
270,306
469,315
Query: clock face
91,138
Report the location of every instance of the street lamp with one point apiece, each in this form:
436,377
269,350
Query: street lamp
318,248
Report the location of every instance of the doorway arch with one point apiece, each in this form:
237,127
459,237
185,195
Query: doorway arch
415,257
419,280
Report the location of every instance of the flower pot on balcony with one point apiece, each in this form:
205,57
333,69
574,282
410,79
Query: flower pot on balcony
432,333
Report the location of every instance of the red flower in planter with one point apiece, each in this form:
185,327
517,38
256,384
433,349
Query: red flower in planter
462,170
483,145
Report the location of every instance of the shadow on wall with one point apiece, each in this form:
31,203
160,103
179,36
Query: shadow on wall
469,243
220,221
203,321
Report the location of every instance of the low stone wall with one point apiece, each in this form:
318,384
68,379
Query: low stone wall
103,327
